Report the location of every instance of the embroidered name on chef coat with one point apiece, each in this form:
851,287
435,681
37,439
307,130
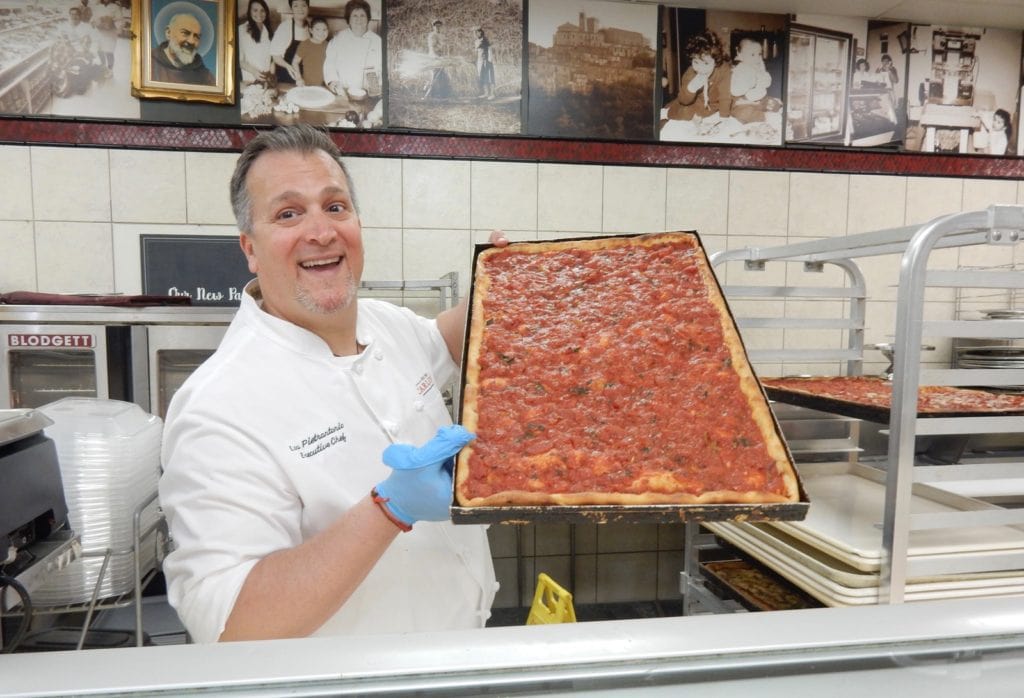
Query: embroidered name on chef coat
424,384
320,441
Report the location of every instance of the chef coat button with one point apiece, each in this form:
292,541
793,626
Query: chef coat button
390,427
378,354
357,369
418,405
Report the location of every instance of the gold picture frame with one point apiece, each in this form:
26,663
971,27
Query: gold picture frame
184,50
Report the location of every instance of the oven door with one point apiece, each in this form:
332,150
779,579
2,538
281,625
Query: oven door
44,363
174,352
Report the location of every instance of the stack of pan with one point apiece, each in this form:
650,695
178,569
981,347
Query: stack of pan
1005,356
835,554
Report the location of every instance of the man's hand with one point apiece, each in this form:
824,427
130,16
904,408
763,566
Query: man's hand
420,486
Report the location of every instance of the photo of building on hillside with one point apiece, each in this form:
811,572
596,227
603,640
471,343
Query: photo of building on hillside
591,70
455,66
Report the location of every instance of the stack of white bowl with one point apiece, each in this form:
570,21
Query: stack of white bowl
109,453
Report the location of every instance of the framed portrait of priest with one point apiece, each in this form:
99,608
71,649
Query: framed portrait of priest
184,50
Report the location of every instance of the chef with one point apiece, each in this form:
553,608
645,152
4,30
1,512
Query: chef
306,464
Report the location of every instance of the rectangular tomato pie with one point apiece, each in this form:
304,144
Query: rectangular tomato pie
609,371
875,393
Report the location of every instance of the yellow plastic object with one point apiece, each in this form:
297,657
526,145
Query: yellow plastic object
551,603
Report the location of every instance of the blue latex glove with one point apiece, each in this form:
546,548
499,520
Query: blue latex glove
420,486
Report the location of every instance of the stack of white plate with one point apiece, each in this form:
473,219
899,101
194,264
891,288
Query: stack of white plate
109,454
835,554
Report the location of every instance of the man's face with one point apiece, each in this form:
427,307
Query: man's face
75,16
306,244
183,37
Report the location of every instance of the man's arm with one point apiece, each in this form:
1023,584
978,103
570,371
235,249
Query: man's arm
292,592
452,322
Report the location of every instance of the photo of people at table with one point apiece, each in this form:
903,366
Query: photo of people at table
722,76
304,61
964,89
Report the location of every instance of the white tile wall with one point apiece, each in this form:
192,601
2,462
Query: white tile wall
378,185
70,184
16,203
698,200
74,257
147,186
634,200
503,195
758,203
817,204
569,198
204,202
70,220
18,261
435,194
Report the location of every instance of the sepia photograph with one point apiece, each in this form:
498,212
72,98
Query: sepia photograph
878,86
319,62
592,70
184,50
67,58
455,66
963,90
722,76
819,78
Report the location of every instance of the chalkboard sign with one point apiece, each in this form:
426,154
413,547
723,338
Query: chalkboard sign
209,269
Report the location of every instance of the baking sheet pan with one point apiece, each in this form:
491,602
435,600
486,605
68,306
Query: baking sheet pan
845,520
753,586
657,513
867,412
831,593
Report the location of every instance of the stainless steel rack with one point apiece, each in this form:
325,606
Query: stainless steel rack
832,308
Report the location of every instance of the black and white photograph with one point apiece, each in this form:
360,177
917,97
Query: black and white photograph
722,76
312,61
455,66
819,67
876,114
592,70
67,58
963,90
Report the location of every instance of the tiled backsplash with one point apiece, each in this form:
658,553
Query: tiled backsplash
70,219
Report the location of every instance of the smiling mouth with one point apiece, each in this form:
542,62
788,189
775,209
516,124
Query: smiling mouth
321,263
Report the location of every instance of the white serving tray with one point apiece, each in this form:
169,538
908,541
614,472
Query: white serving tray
831,593
845,515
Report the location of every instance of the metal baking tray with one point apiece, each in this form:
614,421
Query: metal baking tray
857,410
654,513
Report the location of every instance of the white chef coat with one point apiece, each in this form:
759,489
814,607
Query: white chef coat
350,56
273,437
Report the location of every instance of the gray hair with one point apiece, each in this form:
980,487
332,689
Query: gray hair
299,138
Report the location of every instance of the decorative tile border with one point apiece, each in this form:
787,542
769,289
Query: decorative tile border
420,145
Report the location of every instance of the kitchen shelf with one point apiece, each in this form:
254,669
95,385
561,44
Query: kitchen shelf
822,284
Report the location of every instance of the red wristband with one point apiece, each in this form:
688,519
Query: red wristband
379,501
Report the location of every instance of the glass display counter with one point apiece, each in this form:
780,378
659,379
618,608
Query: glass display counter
941,648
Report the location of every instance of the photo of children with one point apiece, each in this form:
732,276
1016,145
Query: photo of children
721,76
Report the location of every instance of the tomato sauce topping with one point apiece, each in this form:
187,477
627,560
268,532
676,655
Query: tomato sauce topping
607,371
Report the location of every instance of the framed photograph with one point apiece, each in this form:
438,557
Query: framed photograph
184,50
591,70
455,66
722,76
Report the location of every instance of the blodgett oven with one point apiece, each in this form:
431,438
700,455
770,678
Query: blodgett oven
45,362
136,354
